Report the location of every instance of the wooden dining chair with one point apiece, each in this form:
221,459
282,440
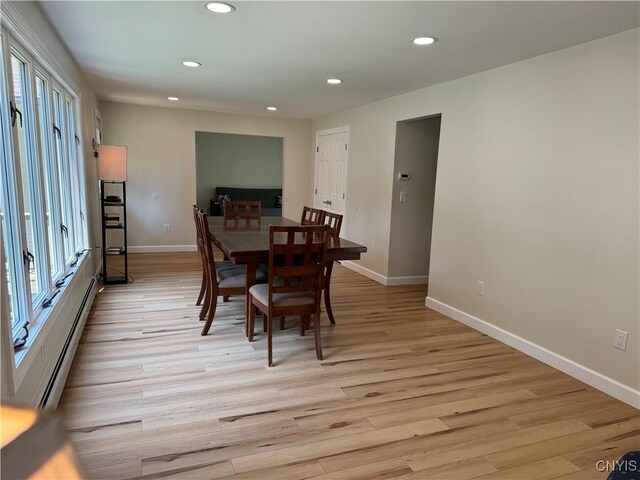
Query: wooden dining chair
237,210
296,272
222,278
311,216
334,223
203,285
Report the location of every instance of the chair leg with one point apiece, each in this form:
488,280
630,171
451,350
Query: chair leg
206,304
203,289
327,293
304,322
282,323
225,299
264,323
252,321
316,321
210,314
269,340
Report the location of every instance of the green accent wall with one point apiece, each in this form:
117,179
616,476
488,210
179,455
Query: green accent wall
233,160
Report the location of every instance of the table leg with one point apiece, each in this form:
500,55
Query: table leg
251,280
327,292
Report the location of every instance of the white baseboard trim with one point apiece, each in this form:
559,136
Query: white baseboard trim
63,373
388,281
364,271
162,248
418,280
584,374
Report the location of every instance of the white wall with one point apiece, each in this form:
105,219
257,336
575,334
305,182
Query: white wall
537,195
161,159
25,385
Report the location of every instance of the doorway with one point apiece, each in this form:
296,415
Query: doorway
251,162
414,184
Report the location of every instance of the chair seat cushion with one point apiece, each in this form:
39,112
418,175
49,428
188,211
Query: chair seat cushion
261,293
234,276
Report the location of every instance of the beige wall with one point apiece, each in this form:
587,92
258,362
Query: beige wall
416,153
536,195
161,159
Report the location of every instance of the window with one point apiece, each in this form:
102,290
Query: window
19,309
64,175
42,196
51,212
74,174
29,178
7,268
5,220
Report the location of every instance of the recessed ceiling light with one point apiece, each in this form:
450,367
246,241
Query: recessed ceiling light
173,99
334,81
424,40
190,63
272,109
219,7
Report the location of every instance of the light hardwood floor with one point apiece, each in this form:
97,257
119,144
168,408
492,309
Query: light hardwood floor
403,393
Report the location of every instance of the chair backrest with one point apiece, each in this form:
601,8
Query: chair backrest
195,221
311,216
296,257
236,210
208,259
333,221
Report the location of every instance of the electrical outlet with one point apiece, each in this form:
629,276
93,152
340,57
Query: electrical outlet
620,341
167,228
480,288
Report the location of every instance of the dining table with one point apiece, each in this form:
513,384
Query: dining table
249,246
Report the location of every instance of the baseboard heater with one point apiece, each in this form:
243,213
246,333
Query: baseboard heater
54,387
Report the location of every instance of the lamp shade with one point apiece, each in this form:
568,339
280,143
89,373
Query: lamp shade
112,163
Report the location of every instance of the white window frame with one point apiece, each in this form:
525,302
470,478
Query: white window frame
47,143
62,159
20,287
40,62
76,192
34,301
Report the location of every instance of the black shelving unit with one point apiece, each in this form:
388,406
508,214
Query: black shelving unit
114,218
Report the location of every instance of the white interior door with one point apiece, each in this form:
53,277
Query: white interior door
330,186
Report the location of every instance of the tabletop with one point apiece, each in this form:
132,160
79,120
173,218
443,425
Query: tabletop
251,245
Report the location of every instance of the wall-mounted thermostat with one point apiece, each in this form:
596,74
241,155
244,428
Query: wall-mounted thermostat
403,176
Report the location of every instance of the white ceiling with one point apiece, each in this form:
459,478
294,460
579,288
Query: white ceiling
281,53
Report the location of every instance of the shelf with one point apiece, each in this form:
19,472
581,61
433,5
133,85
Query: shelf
115,254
